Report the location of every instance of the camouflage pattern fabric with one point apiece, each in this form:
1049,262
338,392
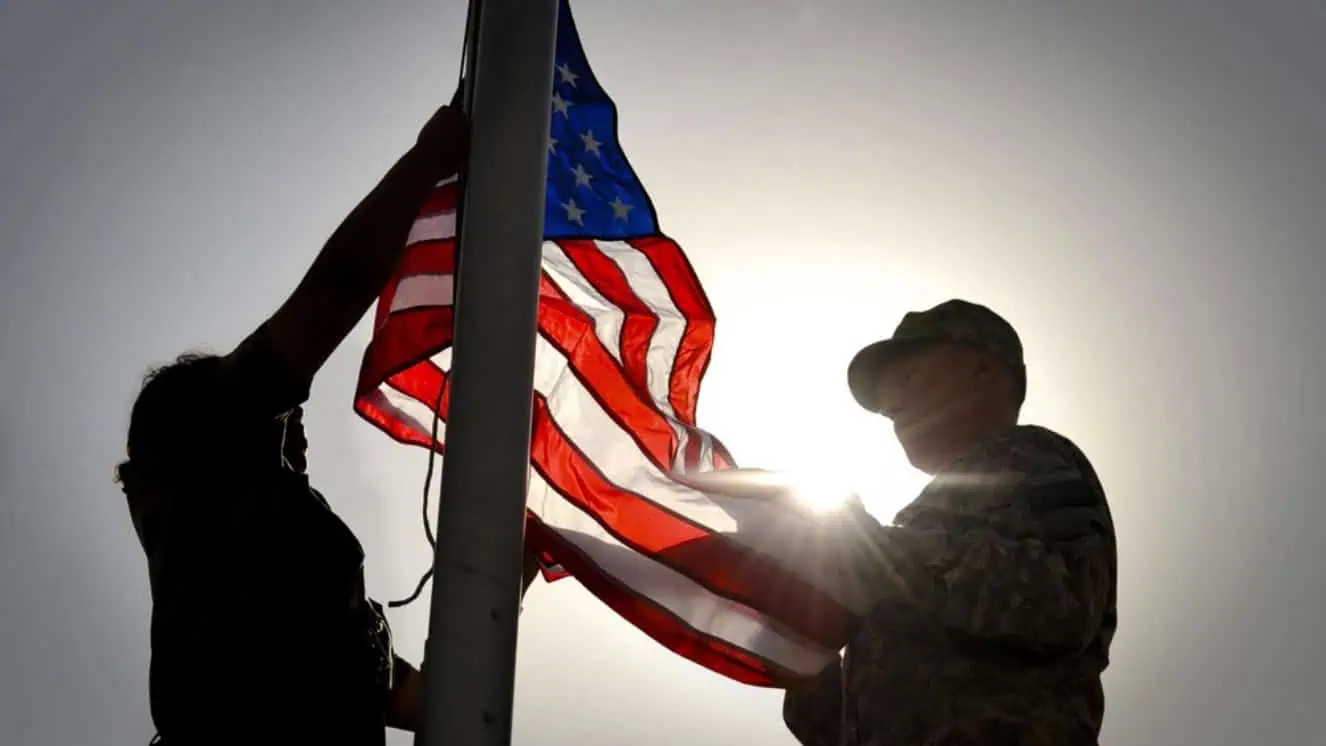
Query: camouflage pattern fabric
963,322
995,615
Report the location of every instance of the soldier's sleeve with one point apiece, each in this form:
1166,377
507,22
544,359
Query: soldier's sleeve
1038,579
812,709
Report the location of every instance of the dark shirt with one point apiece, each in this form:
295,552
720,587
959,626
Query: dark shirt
996,610
261,629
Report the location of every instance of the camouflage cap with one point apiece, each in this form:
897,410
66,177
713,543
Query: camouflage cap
953,321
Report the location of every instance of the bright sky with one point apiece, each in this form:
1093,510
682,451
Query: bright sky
1137,186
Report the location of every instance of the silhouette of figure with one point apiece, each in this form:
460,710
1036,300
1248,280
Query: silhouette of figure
261,629
994,591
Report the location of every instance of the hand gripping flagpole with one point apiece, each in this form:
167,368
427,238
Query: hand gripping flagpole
470,655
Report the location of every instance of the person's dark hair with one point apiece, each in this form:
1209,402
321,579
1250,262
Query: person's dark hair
170,418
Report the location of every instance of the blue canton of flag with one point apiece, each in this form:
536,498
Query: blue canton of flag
592,190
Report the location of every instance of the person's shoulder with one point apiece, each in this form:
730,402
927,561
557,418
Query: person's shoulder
1026,455
1051,485
1023,468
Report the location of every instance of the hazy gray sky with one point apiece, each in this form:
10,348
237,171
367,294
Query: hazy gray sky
1139,187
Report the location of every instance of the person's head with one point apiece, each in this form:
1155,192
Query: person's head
186,408
948,377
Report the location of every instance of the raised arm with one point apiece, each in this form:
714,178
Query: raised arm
361,254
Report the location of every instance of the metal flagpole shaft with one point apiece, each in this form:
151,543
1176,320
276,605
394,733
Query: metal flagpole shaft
470,655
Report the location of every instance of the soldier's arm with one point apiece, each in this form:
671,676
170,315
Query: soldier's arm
1043,588
812,709
359,258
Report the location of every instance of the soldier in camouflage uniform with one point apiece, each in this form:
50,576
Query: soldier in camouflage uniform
996,585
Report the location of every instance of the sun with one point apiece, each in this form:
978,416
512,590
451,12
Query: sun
873,470
819,488
824,475
800,422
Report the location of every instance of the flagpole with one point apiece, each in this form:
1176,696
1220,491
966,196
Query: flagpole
470,654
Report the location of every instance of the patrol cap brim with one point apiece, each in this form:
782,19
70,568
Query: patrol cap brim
870,363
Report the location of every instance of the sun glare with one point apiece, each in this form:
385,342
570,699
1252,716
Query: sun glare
884,482
819,489
817,442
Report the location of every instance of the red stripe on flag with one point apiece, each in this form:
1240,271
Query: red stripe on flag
638,328
675,270
571,330
405,338
711,560
722,457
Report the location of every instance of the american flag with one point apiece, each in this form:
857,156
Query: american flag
625,335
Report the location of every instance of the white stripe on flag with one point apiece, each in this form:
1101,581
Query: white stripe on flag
424,291
608,318
665,341
706,453
432,228
649,288
661,358
406,410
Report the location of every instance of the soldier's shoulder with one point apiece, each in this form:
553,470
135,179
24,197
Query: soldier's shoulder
1026,453
1017,461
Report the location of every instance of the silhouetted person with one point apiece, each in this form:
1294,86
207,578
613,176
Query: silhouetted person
996,586
261,629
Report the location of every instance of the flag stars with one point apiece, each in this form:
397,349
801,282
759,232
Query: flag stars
582,176
561,105
591,145
568,77
620,210
573,212
552,145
